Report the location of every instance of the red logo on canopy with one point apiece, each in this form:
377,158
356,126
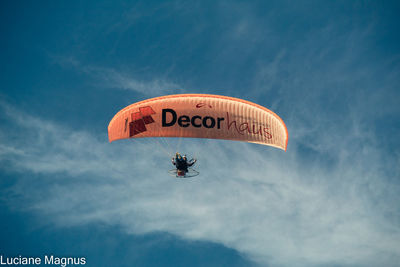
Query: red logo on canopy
140,119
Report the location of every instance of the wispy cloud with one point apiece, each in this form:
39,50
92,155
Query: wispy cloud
331,199
270,205
106,77
115,79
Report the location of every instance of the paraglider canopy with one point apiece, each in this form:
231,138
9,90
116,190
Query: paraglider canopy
200,116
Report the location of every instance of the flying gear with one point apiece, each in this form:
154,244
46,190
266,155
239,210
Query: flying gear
183,167
198,116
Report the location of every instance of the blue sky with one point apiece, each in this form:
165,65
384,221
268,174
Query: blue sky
329,69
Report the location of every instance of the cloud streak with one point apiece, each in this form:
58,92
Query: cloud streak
331,199
105,77
267,204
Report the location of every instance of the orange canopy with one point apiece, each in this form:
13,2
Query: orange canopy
200,116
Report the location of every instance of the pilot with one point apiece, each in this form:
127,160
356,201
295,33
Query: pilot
181,163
